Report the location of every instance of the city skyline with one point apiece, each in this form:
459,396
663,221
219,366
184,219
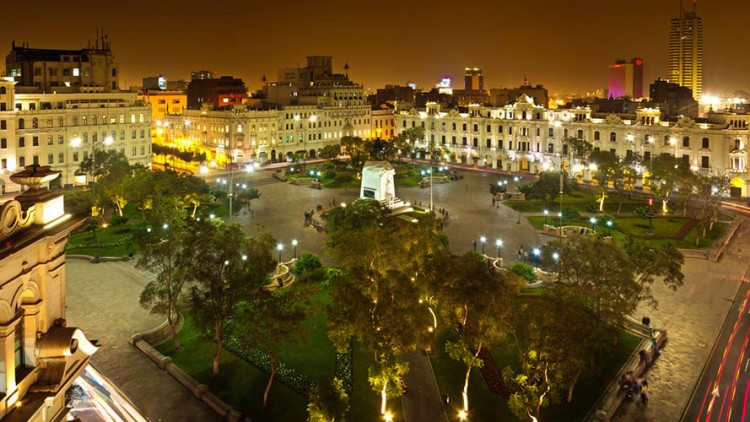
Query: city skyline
565,48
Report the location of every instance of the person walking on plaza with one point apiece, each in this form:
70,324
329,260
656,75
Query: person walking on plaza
494,200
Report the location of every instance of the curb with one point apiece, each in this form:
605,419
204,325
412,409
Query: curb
200,391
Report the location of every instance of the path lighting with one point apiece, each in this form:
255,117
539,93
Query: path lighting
279,247
148,230
536,252
294,244
244,257
212,216
462,415
546,213
559,215
388,416
204,169
482,240
499,244
592,220
609,228
165,226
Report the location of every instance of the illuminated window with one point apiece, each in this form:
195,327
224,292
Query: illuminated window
76,71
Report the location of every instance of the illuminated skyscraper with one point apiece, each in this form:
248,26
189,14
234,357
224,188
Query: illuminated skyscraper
686,51
473,79
626,79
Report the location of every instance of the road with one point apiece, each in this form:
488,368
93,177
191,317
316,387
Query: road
724,387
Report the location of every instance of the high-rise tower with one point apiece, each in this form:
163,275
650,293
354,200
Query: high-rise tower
686,50
473,79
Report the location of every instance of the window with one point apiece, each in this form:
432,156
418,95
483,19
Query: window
37,71
579,134
686,141
35,141
475,142
21,142
61,157
647,156
76,71
550,148
464,141
463,127
3,163
66,72
442,139
500,129
75,156
50,158
36,160
140,118
60,122
500,144
551,132
133,134
3,125
704,162
538,132
60,140
476,128
35,123
596,135
453,140
489,143
50,140
143,150
3,143
453,125
143,133
18,346
22,161
122,118
133,151
510,130
489,128
704,143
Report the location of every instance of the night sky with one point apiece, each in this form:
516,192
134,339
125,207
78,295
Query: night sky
564,44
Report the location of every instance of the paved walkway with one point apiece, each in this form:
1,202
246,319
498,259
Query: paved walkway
102,299
693,316
422,400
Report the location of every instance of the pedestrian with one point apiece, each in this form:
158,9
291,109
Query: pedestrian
637,388
474,245
494,200
644,392
526,256
646,320
655,347
643,357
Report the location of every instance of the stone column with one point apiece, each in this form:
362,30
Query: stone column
8,357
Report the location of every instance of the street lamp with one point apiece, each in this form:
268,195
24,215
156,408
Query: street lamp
555,256
536,253
592,220
609,228
559,215
279,247
546,213
482,239
499,244
294,244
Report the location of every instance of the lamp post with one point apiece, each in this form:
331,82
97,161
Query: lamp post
498,244
609,228
279,248
546,213
555,256
482,240
592,220
294,245
76,142
536,253
231,186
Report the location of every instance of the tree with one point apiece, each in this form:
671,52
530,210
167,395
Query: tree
666,174
330,152
328,402
709,188
269,320
649,262
358,150
607,171
245,196
166,252
601,272
374,299
546,187
111,182
232,266
402,143
382,150
306,262
474,299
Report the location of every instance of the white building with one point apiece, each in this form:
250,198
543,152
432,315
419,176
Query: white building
44,129
527,137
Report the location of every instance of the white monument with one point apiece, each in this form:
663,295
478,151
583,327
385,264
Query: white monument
377,182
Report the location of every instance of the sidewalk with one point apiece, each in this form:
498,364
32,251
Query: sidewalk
422,400
102,299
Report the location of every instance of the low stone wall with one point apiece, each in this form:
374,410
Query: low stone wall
97,259
614,395
201,391
720,245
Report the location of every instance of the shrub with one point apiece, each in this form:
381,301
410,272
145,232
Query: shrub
571,214
306,262
524,271
344,178
118,220
329,174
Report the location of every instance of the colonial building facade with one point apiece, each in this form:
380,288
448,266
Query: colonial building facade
525,137
244,135
60,130
41,356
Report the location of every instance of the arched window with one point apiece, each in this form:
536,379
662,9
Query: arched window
612,137
476,128
21,124
3,90
686,141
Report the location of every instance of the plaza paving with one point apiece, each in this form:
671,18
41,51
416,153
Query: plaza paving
103,298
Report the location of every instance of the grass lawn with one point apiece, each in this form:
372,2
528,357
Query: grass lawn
578,200
107,239
485,405
241,384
